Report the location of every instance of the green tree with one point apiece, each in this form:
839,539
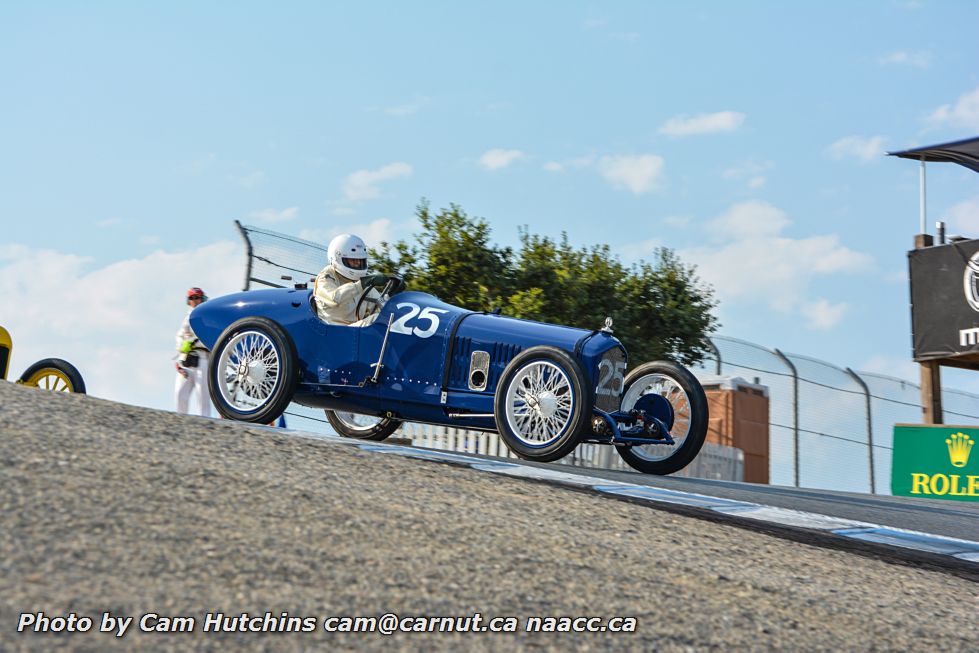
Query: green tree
660,309
451,258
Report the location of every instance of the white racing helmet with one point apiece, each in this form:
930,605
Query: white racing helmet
348,255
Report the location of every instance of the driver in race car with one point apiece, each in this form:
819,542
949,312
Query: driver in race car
341,283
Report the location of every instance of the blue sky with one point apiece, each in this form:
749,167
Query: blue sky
748,136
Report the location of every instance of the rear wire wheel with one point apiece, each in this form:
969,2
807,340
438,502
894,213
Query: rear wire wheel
361,427
689,416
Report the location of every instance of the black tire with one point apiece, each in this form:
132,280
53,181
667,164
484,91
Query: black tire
377,432
54,374
225,382
693,419
569,408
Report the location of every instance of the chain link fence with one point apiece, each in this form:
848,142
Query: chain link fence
830,427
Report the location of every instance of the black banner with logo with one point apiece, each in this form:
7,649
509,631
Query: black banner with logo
945,300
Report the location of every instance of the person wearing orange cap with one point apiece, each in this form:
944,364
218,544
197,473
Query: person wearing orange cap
191,361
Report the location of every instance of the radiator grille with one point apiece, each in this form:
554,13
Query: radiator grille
608,382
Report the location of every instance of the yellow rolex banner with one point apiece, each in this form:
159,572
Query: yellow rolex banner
939,462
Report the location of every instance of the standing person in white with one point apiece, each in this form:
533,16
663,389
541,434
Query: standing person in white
191,362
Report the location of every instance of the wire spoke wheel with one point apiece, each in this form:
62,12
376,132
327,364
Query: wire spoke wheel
255,371
358,422
362,427
541,403
686,416
674,393
249,371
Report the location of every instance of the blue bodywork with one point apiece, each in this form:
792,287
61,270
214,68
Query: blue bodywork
426,365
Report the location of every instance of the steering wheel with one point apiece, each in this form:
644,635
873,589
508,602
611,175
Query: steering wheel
368,306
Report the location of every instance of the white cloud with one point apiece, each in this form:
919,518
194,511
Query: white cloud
751,262
641,250
918,59
407,108
248,181
496,159
963,218
580,161
637,174
574,162
964,113
373,232
822,314
115,323
362,185
864,148
901,368
676,220
750,172
274,215
752,219
704,123
198,166
109,222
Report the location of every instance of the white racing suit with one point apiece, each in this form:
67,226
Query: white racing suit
336,298
196,378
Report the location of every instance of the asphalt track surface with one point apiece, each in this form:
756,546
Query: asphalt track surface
935,516
110,507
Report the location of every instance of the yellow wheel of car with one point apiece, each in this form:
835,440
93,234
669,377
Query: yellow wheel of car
50,379
53,374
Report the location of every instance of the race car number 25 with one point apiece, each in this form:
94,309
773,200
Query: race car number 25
427,317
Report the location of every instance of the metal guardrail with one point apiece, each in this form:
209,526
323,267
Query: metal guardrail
715,461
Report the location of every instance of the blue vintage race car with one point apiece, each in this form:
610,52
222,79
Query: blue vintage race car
545,388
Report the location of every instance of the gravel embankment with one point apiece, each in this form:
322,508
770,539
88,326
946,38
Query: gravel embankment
106,507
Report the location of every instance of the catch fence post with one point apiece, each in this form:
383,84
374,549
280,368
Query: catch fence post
248,253
795,410
717,356
870,427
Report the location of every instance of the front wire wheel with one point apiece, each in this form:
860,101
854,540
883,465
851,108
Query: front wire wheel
254,372
689,416
541,404
361,427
